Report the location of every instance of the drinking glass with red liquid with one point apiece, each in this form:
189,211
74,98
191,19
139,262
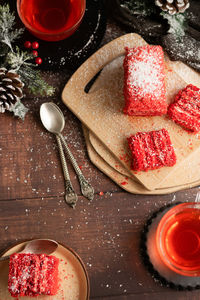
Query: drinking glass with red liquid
178,239
51,20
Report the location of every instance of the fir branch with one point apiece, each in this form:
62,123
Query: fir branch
7,21
20,61
19,58
177,23
36,84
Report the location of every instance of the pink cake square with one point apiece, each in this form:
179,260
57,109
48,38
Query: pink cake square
151,150
32,275
185,110
144,86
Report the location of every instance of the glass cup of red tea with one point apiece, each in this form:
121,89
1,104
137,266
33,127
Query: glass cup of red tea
51,20
178,239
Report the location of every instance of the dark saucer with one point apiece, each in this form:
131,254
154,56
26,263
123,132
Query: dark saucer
152,259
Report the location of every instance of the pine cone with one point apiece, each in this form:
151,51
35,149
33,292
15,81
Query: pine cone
10,89
173,6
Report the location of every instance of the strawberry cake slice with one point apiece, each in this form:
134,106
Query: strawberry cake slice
185,110
151,150
33,275
144,85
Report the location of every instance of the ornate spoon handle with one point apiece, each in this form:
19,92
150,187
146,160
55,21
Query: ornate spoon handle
70,195
86,189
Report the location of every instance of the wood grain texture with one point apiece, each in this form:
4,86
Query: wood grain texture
105,232
29,158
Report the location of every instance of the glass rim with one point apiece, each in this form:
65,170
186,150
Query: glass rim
166,259
28,26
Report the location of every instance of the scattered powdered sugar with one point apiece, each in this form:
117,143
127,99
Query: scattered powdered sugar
144,75
91,39
185,49
113,229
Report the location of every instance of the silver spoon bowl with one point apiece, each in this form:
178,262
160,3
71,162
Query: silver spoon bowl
51,118
38,246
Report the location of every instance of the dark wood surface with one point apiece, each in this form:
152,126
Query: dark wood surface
105,232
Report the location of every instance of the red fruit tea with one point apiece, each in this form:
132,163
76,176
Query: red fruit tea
178,239
51,20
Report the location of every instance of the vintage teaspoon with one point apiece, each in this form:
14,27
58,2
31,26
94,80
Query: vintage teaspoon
55,115
38,246
55,125
86,189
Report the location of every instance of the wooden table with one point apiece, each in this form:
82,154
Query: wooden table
105,232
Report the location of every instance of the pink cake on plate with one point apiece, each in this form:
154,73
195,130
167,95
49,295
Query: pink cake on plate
33,275
144,85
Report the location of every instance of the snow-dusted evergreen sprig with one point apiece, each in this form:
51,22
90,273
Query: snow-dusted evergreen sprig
177,23
12,57
21,62
7,21
16,60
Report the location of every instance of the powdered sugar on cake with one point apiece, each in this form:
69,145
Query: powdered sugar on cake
144,85
145,76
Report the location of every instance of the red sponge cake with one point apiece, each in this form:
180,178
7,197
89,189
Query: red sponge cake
185,110
151,150
32,275
144,86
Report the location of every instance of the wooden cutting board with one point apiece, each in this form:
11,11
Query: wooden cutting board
131,185
101,109
190,167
